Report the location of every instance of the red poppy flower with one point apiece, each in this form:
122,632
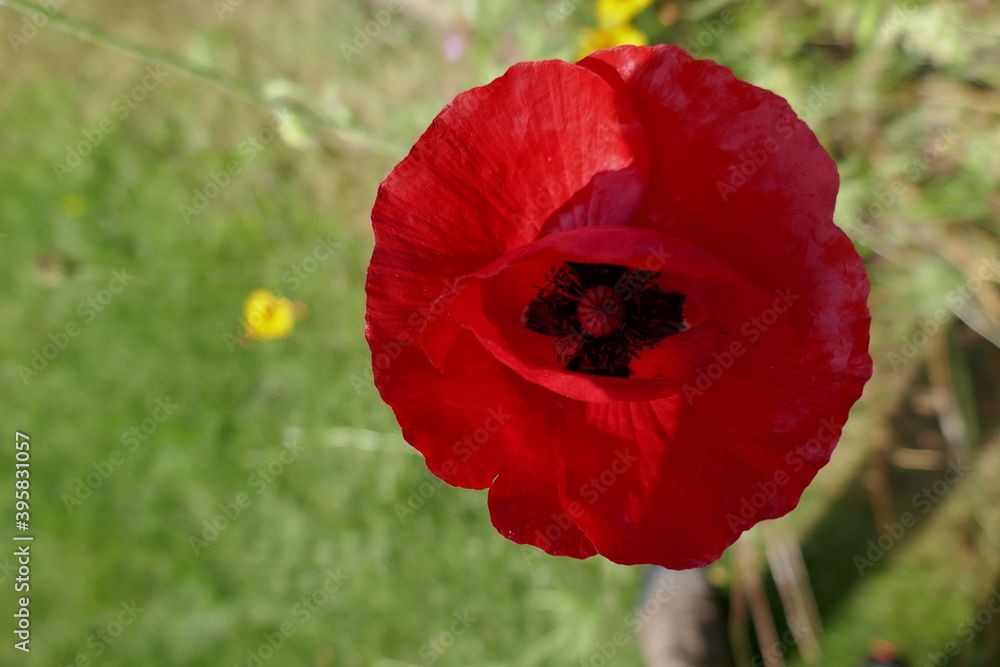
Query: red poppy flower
612,292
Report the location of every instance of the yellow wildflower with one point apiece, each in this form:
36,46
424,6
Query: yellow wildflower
616,13
268,315
73,206
593,40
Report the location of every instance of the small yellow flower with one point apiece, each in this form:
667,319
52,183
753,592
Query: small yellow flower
268,315
616,13
594,40
73,206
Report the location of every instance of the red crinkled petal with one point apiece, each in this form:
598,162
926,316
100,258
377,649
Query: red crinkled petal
461,422
493,167
742,446
676,481
524,501
734,170
472,187
490,303
737,173
477,427
666,479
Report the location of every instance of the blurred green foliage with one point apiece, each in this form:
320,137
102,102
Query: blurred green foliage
185,188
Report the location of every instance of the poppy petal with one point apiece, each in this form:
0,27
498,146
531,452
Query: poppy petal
491,303
461,422
525,504
682,414
493,168
674,482
735,169
471,426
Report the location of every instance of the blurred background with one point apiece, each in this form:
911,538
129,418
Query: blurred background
220,486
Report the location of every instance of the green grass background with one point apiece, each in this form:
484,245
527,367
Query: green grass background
879,81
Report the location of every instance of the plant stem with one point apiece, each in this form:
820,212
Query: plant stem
94,34
349,135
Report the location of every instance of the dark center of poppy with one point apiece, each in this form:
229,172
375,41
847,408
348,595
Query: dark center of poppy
603,315
601,311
